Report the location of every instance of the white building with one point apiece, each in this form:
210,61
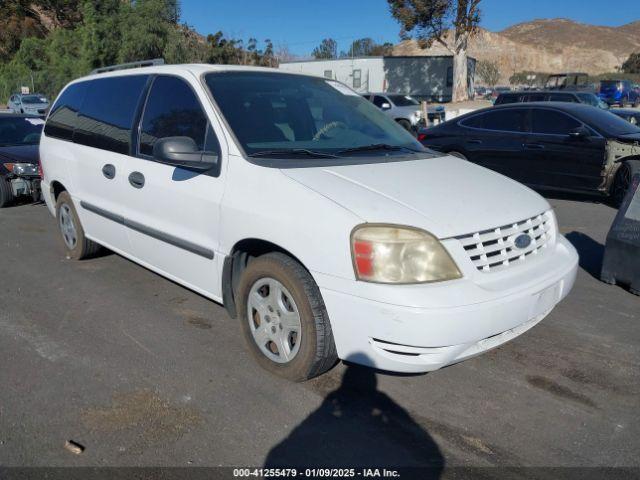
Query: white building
423,77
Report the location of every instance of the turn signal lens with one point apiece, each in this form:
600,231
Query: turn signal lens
390,254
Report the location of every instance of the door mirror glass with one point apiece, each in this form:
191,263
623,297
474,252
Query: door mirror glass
385,106
183,152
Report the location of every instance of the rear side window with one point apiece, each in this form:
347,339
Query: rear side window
551,122
173,110
107,113
63,116
378,101
511,120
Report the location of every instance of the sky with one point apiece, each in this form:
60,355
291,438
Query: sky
302,24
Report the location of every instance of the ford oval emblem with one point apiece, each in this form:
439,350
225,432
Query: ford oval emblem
522,241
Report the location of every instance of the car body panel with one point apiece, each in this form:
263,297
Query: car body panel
310,213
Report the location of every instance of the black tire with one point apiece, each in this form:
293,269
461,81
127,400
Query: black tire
6,194
636,102
622,181
84,248
406,124
459,155
317,351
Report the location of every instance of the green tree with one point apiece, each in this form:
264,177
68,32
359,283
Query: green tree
632,64
327,50
147,27
448,22
489,72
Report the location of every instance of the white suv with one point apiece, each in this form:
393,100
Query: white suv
324,227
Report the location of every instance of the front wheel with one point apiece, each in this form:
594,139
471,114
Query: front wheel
406,124
6,194
622,181
284,319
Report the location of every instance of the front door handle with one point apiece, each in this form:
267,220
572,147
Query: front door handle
533,146
109,171
474,141
136,179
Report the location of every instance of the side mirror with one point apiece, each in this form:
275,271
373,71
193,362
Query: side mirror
580,133
183,152
385,106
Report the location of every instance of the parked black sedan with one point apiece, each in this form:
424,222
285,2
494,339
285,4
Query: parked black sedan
559,146
19,139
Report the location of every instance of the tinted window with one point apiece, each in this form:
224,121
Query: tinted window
62,119
403,100
553,122
378,101
536,97
508,98
511,120
173,110
107,113
563,97
19,130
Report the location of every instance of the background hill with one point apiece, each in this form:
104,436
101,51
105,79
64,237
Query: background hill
551,45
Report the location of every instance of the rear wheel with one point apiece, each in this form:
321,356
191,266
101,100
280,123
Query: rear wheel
6,194
77,245
283,318
622,181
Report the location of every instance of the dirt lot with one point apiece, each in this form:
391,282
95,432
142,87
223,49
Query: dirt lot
141,371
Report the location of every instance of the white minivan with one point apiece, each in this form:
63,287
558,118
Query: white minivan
323,226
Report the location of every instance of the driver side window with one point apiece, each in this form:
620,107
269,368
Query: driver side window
173,110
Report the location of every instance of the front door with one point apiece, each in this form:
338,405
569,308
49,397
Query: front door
561,160
495,141
173,213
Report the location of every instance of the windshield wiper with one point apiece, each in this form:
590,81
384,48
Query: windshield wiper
378,146
290,151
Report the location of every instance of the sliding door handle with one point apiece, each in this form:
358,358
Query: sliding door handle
136,179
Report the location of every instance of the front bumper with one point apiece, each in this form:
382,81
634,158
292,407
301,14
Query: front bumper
455,320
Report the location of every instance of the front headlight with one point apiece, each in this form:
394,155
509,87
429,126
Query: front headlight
395,254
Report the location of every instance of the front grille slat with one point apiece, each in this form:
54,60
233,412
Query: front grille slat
494,249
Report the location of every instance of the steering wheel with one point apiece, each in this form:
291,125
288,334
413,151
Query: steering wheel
322,133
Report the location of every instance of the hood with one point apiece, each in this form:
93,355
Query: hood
630,138
446,196
19,154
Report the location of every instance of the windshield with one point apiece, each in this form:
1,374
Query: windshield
403,100
292,115
20,131
611,124
31,99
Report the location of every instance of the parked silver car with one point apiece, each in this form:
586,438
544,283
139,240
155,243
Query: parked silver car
32,103
405,109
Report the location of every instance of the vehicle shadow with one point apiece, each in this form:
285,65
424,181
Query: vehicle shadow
590,251
359,426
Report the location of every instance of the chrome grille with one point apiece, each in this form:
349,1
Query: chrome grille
494,249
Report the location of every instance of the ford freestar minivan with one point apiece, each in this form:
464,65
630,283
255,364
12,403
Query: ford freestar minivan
323,227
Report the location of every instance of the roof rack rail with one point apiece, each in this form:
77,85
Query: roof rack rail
124,66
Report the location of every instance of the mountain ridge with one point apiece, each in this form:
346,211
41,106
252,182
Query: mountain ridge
550,45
